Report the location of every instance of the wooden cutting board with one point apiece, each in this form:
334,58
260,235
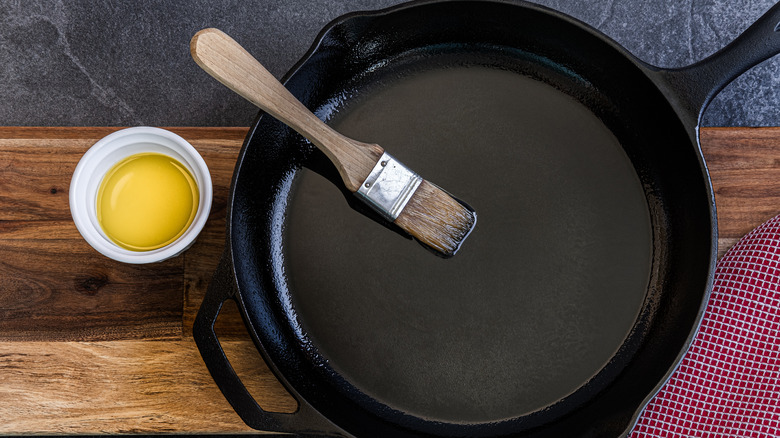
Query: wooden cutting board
89,345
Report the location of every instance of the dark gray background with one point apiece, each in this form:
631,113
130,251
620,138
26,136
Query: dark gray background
127,63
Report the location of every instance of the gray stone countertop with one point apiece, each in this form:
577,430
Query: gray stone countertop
127,63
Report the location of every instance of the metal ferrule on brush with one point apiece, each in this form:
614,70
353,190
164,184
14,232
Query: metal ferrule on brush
389,186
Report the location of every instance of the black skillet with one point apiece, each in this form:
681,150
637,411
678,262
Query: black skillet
576,295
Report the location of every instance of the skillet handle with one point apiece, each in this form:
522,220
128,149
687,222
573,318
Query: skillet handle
698,83
305,422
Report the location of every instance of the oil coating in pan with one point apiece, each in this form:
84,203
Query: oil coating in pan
542,294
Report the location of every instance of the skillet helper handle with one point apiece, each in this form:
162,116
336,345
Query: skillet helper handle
703,80
225,60
305,422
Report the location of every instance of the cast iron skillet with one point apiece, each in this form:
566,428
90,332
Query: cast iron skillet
583,283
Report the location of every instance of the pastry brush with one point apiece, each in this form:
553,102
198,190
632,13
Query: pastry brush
417,206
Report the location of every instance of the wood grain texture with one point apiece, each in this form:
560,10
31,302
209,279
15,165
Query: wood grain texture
58,289
88,345
124,387
53,286
744,166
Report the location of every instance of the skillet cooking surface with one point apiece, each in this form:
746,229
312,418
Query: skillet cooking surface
572,299
542,294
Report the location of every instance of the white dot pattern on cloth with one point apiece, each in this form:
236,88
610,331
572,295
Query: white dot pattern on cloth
728,384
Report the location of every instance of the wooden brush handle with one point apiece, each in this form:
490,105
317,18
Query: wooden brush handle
224,59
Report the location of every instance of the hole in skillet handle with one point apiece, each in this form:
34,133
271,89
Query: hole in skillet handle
777,27
303,421
248,363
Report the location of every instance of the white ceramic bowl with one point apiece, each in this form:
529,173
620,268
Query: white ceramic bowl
110,150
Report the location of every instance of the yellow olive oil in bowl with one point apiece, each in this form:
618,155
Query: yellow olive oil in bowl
146,201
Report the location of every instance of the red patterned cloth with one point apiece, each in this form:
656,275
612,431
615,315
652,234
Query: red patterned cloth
728,384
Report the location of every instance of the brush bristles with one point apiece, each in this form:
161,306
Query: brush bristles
436,219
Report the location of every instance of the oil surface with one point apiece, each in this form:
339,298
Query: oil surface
146,201
541,295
